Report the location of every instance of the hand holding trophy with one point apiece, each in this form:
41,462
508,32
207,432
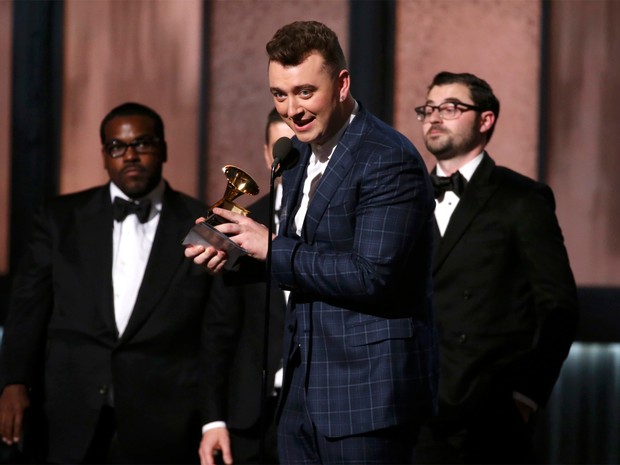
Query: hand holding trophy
239,183
204,233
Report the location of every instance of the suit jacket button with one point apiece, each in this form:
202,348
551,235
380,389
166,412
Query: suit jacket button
467,295
462,338
103,390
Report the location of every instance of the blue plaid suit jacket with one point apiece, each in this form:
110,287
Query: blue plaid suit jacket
360,311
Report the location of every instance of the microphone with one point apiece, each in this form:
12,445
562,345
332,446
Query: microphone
285,156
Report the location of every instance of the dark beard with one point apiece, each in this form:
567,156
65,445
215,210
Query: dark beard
450,148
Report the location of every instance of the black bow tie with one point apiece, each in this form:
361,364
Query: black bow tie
455,183
121,208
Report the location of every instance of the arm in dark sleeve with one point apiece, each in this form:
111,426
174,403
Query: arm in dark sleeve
545,259
223,324
30,308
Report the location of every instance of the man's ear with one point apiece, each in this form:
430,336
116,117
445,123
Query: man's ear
164,152
344,83
487,120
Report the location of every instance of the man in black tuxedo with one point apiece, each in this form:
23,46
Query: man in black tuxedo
109,314
235,338
506,304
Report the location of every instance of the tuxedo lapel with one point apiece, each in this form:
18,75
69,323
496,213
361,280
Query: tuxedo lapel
165,259
94,225
478,192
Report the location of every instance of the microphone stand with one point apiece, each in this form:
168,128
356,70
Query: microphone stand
265,380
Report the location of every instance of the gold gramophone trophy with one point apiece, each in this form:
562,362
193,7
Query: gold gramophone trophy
239,183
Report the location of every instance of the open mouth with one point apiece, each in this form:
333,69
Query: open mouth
302,124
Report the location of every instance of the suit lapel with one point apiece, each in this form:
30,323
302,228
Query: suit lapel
94,224
165,259
476,195
337,169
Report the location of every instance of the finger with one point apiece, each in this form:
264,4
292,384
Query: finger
3,428
7,435
206,257
229,229
217,262
206,456
200,220
228,215
193,250
227,456
217,267
8,432
17,427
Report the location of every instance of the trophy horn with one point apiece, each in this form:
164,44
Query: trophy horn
239,183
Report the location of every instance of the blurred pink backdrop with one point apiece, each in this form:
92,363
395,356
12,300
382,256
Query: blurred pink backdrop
150,51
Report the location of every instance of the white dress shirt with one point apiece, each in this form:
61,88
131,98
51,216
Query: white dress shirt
132,243
445,207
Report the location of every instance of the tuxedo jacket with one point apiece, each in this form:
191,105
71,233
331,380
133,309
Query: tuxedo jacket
236,339
62,317
506,303
360,309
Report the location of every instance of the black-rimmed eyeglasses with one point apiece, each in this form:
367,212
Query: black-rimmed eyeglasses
447,110
142,145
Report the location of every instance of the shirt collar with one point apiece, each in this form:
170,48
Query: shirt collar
467,170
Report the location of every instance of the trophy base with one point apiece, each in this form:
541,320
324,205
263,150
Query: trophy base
206,235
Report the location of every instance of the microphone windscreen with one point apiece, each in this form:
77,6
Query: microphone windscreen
291,159
281,148
285,156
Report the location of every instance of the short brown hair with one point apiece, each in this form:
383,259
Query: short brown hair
480,91
291,44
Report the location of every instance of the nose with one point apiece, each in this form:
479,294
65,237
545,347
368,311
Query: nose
131,154
434,116
293,107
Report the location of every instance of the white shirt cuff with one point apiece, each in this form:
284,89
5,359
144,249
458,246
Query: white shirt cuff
526,400
213,425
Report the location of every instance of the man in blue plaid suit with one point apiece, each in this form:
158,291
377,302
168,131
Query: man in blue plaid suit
354,248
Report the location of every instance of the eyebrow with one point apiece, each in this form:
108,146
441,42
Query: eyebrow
295,89
449,100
